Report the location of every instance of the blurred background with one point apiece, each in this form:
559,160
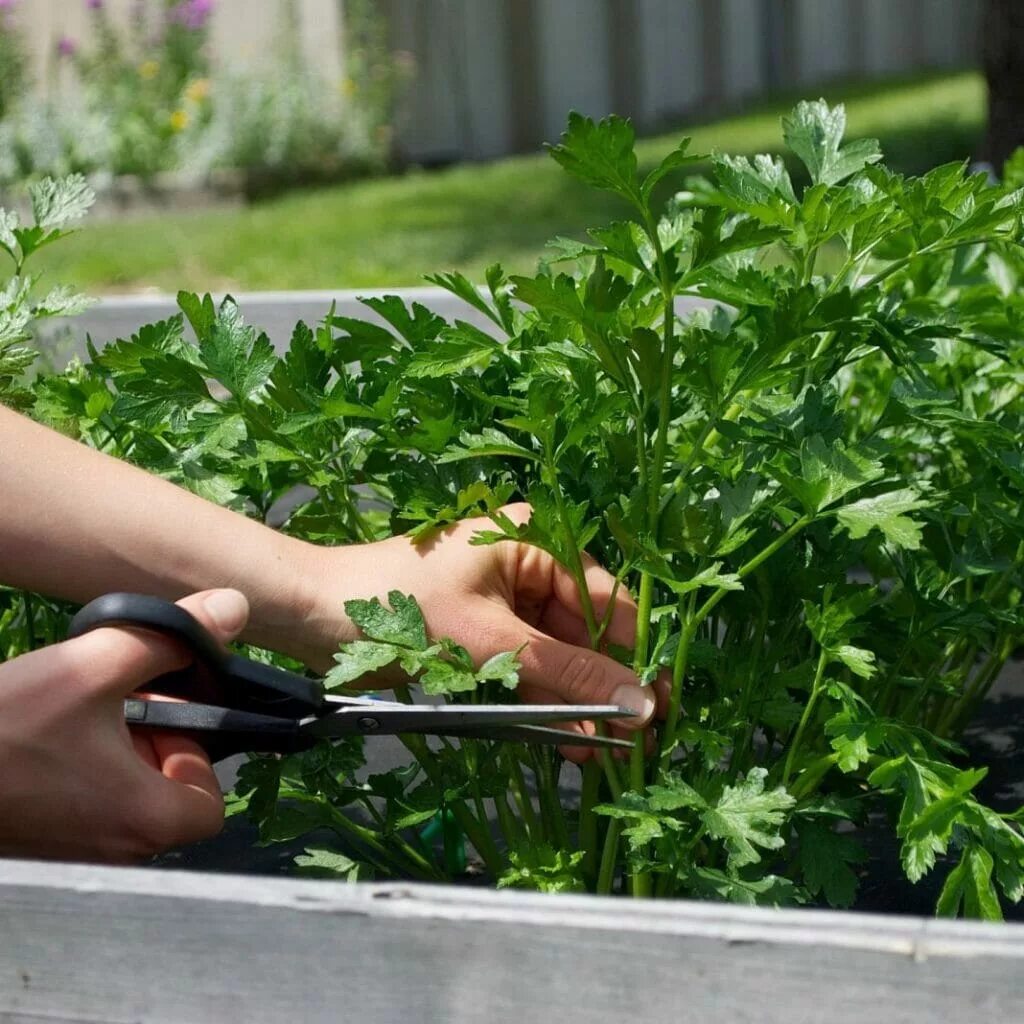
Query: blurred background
304,144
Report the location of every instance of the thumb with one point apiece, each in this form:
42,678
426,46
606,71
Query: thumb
126,659
577,675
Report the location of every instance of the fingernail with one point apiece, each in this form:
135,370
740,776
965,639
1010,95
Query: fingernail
639,699
228,609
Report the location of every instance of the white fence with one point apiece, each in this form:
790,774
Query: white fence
498,76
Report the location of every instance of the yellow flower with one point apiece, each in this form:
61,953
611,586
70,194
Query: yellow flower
179,120
349,87
198,90
149,69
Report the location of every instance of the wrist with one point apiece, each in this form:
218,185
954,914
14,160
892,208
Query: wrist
305,616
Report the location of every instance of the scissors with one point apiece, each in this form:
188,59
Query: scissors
234,705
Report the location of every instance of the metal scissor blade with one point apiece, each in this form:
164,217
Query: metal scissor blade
378,718
538,734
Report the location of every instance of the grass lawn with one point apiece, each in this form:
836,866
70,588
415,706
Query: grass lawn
392,231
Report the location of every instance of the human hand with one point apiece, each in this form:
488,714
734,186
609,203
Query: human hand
74,782
493,598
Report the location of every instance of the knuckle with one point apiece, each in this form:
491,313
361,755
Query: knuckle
578,678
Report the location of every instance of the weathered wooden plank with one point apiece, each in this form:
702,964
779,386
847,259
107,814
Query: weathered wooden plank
102,944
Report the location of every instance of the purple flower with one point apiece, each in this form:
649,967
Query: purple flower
66,47
94,5
192,14
7,5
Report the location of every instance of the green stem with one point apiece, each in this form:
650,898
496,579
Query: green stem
805,718
748,567
418,866
609,857
739,752
548,789
960,713
476,831
30,621
611,771
522,794
591,786
668,734
574,555
645,603
812,775
928,250
511,827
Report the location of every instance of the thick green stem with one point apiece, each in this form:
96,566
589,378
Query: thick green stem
609,857
805,718
402,855
591,787
522,795
812,775
511,827
643,629
668,734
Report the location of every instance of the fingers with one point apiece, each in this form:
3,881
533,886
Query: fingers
574,674
125,659
183,803
603,591
174,795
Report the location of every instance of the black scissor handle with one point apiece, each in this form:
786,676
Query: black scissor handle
231,680
221,732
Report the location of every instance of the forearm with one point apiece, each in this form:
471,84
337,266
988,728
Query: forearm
75,523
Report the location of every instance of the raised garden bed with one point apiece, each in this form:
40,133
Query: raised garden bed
106,945
993,740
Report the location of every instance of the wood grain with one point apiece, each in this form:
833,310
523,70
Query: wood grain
102,944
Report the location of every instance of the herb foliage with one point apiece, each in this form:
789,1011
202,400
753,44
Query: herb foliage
810,478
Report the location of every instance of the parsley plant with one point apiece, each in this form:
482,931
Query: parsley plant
812,483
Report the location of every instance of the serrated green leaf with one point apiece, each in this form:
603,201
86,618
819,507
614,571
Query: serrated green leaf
400,624
814,131
969,885
600,154
828,472
501,668
58,202
887,514
459,348
235,354
858,660
62,301
766,891
826,861
440,676
9,222
325,862
358,659
712,576
489,442
542,868
746,817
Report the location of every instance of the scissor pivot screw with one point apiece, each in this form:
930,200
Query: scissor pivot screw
369,724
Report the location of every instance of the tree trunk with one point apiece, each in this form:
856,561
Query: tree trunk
1003,32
